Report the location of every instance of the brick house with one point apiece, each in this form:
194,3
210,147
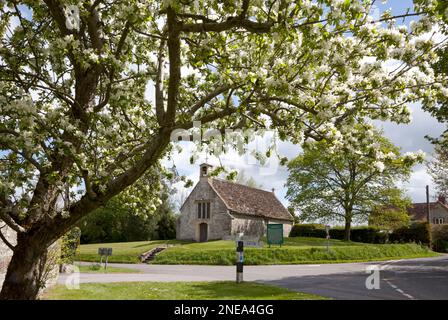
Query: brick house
219,209
438,211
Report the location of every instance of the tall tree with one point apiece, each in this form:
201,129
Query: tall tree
438,106
73,77
438,168
346,186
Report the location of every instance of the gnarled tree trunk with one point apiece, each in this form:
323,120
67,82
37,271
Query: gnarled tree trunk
27,271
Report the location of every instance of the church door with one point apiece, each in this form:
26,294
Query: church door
203,232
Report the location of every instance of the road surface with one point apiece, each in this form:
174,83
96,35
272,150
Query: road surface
425,278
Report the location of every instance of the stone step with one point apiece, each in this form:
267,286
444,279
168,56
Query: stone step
150,255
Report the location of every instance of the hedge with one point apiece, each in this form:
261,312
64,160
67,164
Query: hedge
308,230
418,232
358,234
440,238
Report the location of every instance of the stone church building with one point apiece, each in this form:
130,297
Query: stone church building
219,209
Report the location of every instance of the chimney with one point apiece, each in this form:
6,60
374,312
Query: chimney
273,190
204,171
442,199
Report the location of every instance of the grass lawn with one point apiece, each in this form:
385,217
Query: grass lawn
96,268
296,250
222,290
122,252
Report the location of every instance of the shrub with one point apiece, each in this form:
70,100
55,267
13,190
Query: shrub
418,232
70,243
368,235
337,233
440,238
358,234
308,230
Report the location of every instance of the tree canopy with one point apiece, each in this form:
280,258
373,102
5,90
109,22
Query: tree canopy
91,91
348,186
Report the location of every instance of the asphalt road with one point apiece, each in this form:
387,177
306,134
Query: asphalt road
425,278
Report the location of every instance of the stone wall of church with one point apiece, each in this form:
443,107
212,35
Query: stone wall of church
256,226
219,223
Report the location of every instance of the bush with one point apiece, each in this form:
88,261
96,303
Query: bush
418,232
337,233
360,234
70,243
368,235
308,230
440,238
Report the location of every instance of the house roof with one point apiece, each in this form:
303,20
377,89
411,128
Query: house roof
250,201
417,211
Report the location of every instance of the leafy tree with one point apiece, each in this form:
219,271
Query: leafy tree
69,245
74,112
392,217
345,186
438,168
118,221
115,222
438,107
249,181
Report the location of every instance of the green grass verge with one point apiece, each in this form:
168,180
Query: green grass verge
96,268
122,252
296,250
291,255
222,290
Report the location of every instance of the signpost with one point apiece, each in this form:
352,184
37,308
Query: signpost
275,234
327,229
104,252
239,261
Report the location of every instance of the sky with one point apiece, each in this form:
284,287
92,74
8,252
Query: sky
409,137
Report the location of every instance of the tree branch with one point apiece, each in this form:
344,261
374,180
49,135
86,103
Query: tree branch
207,98
175,64
3,238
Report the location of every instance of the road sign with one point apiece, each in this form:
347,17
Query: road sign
275,233
105,251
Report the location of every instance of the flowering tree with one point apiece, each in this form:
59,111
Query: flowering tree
438,168
350,185
76,122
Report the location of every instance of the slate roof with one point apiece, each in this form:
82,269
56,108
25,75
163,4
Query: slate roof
250,201
418,210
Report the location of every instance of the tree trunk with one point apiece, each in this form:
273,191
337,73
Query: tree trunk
348,224
27,272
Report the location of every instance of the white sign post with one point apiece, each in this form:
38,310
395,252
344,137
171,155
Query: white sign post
327,229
